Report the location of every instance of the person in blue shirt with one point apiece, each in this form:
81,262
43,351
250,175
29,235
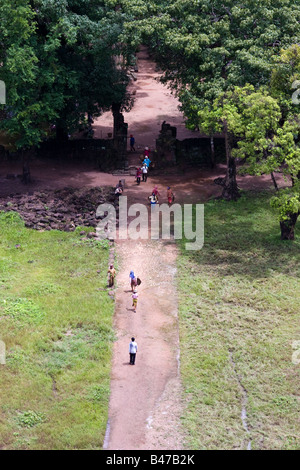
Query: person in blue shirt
147,161
132,142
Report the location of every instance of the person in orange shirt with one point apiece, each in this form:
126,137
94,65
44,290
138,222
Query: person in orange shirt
170,195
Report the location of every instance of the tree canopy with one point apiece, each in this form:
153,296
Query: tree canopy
60,61
234,65
206,47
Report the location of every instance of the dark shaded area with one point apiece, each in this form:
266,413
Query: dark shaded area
243,239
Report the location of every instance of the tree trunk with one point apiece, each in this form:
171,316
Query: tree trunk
274,181
26,178
212,155
288,227
120,131
231,190
61,131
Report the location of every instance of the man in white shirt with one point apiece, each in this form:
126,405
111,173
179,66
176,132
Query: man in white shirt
145,172
132,351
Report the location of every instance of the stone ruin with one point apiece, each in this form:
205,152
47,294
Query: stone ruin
63,209
166,145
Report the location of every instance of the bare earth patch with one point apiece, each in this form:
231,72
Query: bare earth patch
145,404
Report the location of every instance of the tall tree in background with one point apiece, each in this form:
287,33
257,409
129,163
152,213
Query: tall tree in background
285,86
264,140
61,60
207,47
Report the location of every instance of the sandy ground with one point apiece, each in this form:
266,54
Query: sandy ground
146,402
153,105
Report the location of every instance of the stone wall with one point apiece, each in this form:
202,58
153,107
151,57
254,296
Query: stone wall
198,151
102,152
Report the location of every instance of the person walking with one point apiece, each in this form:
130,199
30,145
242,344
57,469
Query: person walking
112,275
133,347
119,189
147,161
135,297
153,199
155,191
133,281
132,142
120,185
170,196
138,175
145,172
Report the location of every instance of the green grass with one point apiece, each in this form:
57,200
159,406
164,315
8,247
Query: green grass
57,328
239,315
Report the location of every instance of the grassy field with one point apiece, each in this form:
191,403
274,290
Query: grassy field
56,322
239,317
239,321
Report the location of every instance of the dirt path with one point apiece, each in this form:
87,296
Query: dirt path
153,105
145,398
145,402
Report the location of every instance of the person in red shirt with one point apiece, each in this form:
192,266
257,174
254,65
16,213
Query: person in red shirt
170,195
155,191
138,175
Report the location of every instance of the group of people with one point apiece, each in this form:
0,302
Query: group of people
142,171
134,282
155,195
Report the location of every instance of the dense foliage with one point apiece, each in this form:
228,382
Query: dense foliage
206,47
234,66
60,61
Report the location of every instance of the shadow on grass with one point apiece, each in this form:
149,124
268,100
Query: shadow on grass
243,238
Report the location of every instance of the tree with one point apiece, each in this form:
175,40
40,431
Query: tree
222,116
257,135
285,85
206,48
61,61
248,119
19,72
286,152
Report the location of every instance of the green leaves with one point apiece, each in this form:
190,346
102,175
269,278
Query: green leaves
210,47
59,65
287,203
30,418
